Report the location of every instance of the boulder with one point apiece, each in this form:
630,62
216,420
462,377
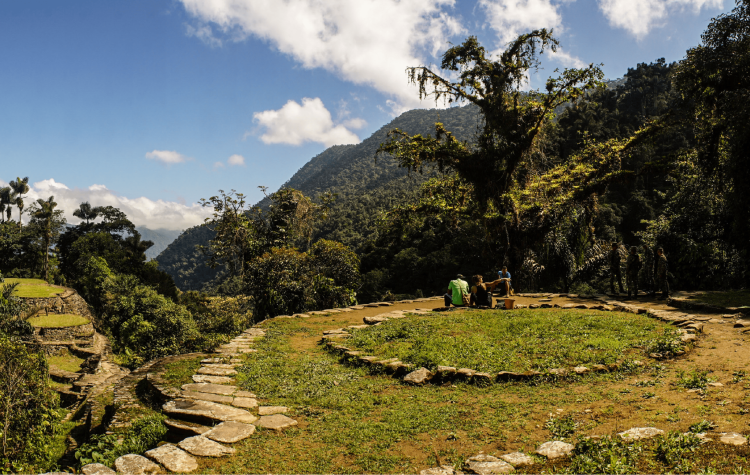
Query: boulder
97,469
488,465
203,447
230,432
518,459
732,438
135,465
276,422
639,433
210,388
201,411
418,377
555,449
173,458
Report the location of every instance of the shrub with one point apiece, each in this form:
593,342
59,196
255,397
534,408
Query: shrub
27,407
694,380
671,448
141,436
604,455
562,427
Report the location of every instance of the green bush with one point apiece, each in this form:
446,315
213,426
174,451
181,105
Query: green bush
671,448
27,407
604,455
141,436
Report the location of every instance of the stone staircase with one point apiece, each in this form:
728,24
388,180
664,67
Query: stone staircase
206,416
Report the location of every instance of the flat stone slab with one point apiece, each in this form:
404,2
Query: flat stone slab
639,433
419,376
276,422
217,371
197,429
488,465
555,449
203,447
244,394
206,378
246,402
358,327
207,397
220,366
732,438
230,432
375,319
173,458
97,469
131,464
210,388
206,410
441,470
271,410
518,459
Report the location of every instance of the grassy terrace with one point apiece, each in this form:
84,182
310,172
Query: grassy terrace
34,288
354,421
56,321
731,298
523,340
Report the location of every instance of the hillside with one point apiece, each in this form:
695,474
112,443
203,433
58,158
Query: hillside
160,237
364,186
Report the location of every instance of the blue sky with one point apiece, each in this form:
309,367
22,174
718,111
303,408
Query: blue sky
150,105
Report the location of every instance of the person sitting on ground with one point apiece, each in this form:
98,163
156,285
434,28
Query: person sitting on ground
458,290
481,292
505,282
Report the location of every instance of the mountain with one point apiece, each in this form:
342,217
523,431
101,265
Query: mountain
365,187
160,237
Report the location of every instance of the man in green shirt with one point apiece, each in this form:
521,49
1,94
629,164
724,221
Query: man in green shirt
456,290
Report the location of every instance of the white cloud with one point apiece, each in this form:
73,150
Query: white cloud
218,165
166,156
368,42
295,124
236,160
141,211
511,18
639,17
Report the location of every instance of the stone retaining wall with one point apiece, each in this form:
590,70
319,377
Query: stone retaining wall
67,302
80,332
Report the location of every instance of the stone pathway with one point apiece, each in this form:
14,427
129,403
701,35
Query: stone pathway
207,415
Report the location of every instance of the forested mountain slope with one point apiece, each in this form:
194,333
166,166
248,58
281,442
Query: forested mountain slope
364,187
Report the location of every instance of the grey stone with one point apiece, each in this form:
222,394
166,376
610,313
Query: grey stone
230,432
375,319
207,397
205,378
97,469
220,366
732,438
581,370
555,449
173,458
441,470
488,465
131,464
276,422
358,327
203,447
205,410
419,376
518,459
271,410
465,373
185,426
638,433
217,371
246,402
244,394
210,388
482,379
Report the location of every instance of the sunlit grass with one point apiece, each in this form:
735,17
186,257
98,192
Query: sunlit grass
520,340
34,288
57,321
65,362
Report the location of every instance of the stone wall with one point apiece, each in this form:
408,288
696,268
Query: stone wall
80,332
67,302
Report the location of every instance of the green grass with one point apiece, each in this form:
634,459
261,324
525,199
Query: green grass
34,288
731,298
65,362
510,341
181,372
57,321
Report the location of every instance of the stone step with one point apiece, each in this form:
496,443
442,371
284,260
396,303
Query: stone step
206,412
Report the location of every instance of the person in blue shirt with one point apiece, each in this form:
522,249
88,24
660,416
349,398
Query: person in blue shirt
505,283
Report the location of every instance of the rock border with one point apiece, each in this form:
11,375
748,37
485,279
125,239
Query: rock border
690,326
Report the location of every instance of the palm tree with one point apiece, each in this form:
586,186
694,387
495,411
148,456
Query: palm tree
20,188
86,212
45,212
5,201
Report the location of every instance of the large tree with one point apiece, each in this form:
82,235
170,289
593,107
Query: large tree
50,221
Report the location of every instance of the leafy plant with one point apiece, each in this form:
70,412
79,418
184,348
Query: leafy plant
667,343
671,448
702,426
604,455
561,427
144,433
696,379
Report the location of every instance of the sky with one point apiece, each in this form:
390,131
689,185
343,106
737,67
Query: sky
151,105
